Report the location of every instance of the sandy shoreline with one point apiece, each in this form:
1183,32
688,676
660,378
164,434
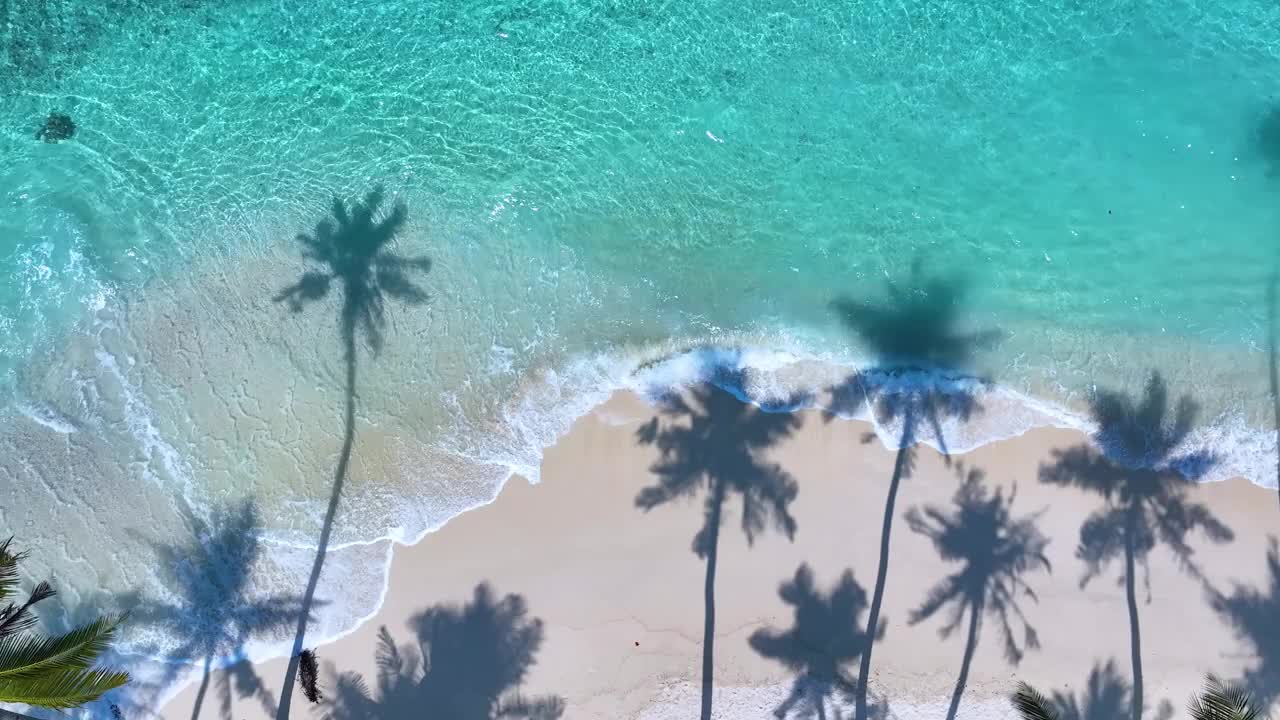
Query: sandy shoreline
608,616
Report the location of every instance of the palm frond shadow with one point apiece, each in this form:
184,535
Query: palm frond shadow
921,377
210,580
465,663
352,251
1135,467
1254,614
710,441
825,637
1106,696
995,551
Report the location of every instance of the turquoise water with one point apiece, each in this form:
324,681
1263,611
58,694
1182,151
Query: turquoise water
598,184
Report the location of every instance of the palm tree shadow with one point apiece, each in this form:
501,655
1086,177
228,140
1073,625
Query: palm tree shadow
713,441
1255,617
921,377
352,250
825,637
467,664
1144,483
1106,696
210,578
995,551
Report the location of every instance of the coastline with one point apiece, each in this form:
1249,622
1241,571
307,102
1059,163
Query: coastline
602,576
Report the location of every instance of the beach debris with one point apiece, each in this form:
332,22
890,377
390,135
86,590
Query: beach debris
57,127
714,138
309,675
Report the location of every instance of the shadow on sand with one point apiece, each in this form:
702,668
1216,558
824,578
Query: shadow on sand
824,638
1144,483
915,336
353,252
995,550
210,579
1106,696
712,443
465,663
1255,617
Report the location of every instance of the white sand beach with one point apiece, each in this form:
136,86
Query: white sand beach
613,597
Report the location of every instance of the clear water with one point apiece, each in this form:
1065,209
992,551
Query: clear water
599,184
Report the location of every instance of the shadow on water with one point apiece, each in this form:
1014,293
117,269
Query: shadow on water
352,252
711,442
914,331
1255,616
212,613
824,638
1144,483
995,550
465,663
1268,140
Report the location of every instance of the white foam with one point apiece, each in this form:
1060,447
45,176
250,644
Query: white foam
42,414
143,429
786,380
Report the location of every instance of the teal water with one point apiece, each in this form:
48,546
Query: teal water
599,184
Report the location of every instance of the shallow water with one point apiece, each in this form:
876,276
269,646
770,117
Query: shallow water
599,184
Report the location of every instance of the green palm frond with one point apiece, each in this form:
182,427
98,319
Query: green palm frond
1031,705
24,656
15,618
60,689
19,618
51,672
1221,701
8,570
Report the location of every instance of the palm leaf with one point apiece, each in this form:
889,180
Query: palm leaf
17,618
8,570
26,656
1220,701
1031,705
60,689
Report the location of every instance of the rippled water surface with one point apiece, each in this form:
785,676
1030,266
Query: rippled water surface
598,184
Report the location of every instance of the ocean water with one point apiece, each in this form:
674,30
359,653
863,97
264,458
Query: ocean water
603,186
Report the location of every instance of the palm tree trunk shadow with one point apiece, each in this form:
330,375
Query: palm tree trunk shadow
901,463
204,687
339,478
970,645
1135,632
709,600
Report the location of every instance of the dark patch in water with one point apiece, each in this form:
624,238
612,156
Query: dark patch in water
57,127
43,41
1268,139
